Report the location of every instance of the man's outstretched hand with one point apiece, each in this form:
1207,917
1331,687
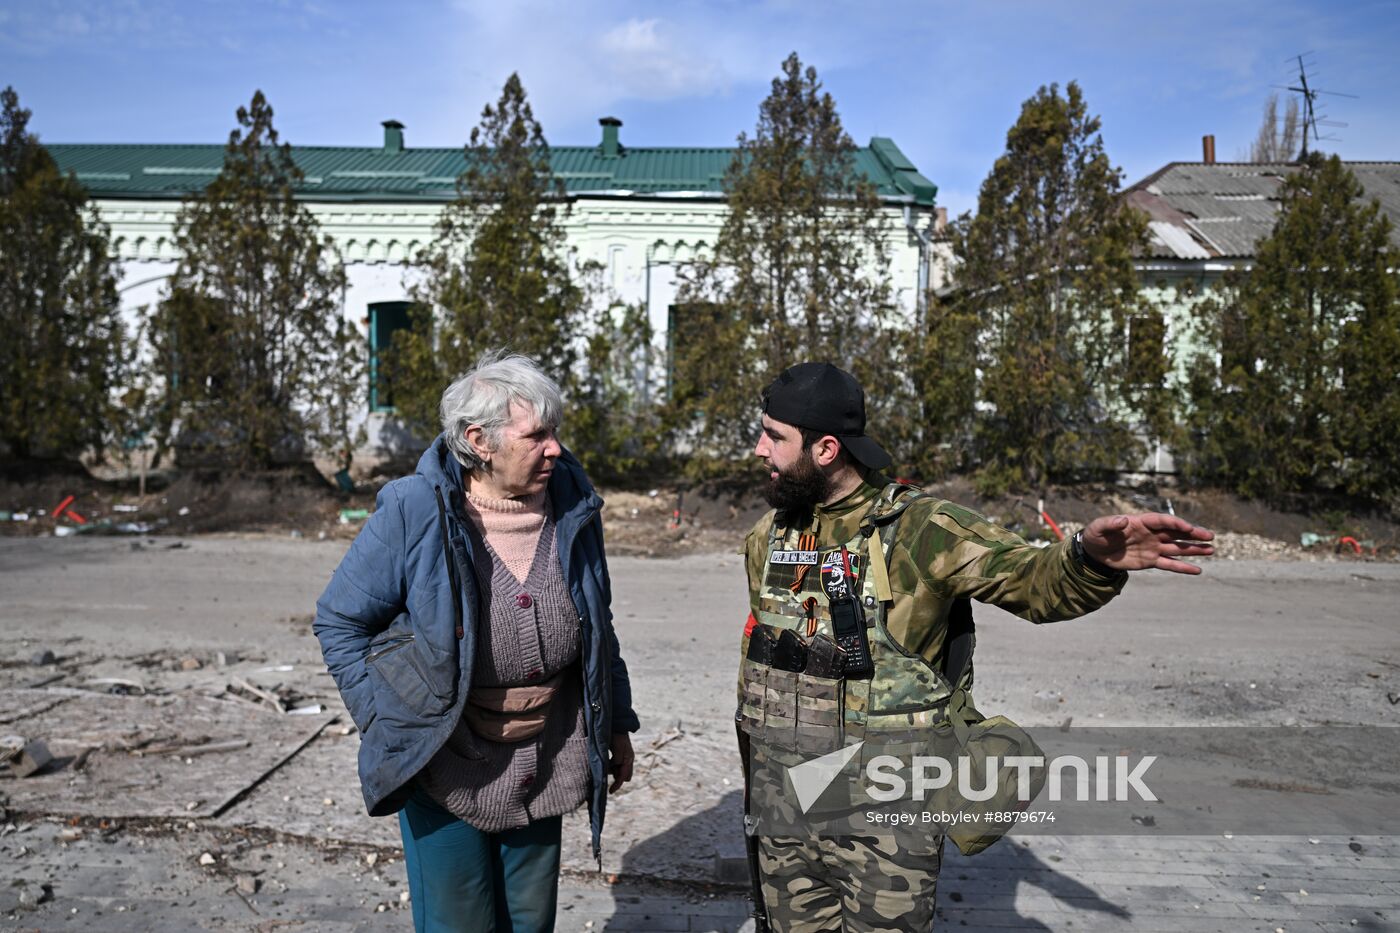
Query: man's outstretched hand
1141,542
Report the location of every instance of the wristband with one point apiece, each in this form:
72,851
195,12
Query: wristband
1085,559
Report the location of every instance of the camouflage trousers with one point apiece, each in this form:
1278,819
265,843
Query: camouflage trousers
857,884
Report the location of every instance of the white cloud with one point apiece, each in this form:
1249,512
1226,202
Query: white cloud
581,61
647,64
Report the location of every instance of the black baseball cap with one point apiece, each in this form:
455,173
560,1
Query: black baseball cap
822,397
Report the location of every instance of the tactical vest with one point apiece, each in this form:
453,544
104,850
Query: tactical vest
816,709
792,711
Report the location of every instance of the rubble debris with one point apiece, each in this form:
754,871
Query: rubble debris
119,686
667,737
190,664
225,658
268,698
80,762
43,658
207,859
32,895
58,509
34,758
191,751
312,710
246,884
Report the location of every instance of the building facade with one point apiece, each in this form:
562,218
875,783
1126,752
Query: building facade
639,213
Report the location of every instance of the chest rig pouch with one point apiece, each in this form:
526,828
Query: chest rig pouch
806,693
821,668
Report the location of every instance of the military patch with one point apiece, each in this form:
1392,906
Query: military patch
834,582
793,557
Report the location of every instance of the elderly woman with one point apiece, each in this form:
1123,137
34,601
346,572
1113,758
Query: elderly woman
469,631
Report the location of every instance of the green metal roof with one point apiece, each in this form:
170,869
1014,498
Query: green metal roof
346,173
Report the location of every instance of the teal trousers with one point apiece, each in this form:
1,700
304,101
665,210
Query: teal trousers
461,879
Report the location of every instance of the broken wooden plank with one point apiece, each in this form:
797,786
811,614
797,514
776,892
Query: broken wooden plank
192,751
260,693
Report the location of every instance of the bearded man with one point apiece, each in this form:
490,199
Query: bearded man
860,621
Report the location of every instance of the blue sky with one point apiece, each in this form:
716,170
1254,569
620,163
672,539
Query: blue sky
944,79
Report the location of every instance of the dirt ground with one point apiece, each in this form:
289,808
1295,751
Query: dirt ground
178,664
665,521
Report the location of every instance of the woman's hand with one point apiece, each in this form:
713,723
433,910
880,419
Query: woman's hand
620,767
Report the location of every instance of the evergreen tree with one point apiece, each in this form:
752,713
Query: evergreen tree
943,366
340,399
59,310
1046,266
613,424
247,340
497,273
799,272
1305,396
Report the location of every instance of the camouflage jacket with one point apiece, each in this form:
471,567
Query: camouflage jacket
941,552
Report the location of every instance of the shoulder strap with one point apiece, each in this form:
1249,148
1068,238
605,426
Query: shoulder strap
894,500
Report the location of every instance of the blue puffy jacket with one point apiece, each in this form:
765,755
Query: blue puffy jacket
397,626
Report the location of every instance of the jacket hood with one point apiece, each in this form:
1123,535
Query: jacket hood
570,491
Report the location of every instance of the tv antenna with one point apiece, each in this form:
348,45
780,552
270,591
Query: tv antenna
1311,118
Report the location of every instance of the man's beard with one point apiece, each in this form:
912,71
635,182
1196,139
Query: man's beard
799,488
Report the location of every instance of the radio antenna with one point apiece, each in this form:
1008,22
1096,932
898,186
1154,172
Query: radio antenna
1311,119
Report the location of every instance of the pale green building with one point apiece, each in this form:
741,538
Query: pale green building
639,212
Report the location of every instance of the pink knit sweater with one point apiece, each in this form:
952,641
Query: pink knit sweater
511,527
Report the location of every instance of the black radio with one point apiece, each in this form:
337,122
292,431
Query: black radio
848,627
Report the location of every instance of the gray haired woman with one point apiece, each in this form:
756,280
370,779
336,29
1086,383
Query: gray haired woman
470,633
